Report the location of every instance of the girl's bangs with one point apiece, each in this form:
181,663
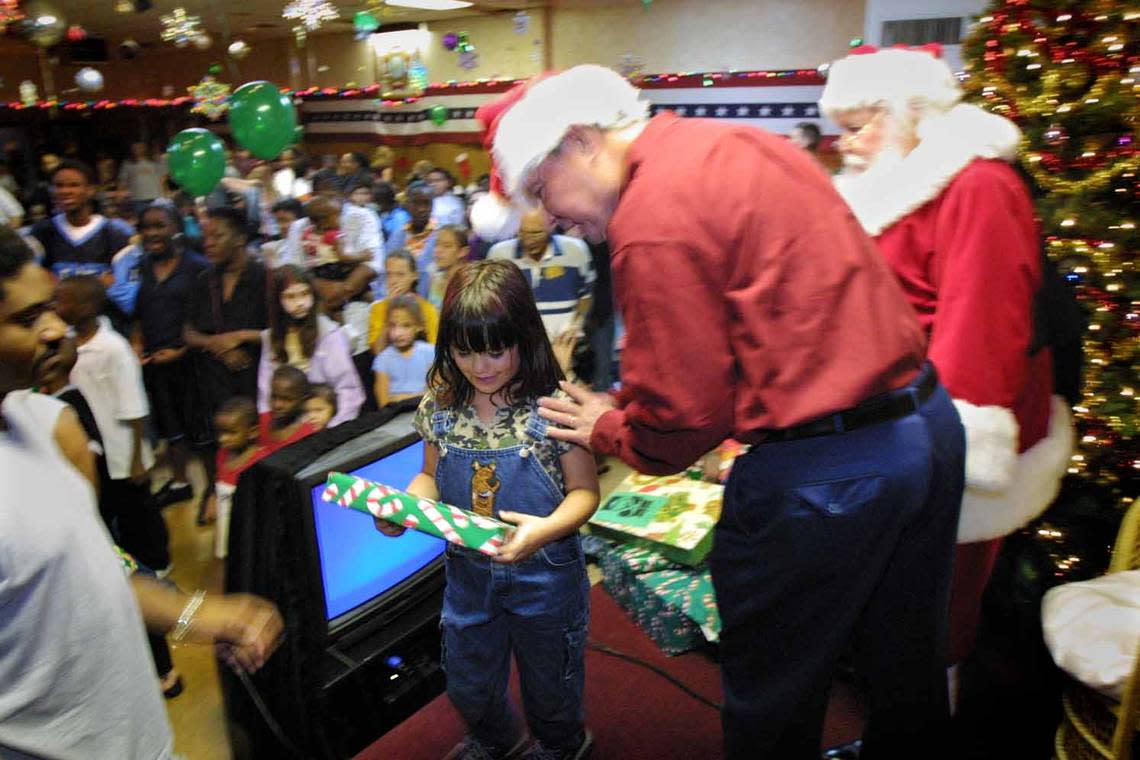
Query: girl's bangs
489,332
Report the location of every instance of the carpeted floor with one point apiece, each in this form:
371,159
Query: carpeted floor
633,712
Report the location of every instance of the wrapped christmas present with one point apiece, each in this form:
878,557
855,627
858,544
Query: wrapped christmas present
716,466
673,515
459,526
674,604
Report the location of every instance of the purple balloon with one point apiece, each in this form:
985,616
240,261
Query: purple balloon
451,40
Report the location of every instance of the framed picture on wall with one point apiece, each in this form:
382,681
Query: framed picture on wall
395,74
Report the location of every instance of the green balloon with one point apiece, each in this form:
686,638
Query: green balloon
197,160
298,135
438,115
365,22
263,119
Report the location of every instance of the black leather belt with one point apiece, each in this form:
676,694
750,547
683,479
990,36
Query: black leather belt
881,408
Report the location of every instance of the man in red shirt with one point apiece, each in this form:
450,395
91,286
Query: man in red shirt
929,178
757,308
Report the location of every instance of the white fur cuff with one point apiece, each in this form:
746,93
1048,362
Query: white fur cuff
991,445
1036,481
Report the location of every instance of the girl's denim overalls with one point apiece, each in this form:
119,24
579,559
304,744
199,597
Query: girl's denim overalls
537,608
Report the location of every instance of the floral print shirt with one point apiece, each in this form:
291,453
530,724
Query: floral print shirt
508,428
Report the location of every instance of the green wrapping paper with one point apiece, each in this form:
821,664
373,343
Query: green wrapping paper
671,514
674,604
459,526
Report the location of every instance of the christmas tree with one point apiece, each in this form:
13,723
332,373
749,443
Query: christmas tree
1066,72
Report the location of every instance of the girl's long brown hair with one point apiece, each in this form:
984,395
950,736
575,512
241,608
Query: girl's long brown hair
489,306
281,321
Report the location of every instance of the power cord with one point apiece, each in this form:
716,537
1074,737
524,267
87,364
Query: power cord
604,649
274,726
597,646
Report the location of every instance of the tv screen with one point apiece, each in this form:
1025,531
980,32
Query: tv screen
358,563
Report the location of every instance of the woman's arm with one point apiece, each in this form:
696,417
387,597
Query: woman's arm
248,626
381,388
359,278
195,339
243,336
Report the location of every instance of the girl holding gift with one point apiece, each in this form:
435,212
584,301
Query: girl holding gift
486,450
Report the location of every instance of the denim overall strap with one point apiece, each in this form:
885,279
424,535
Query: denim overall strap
441,423
536,425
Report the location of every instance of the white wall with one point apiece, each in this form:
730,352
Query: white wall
878,11
706,35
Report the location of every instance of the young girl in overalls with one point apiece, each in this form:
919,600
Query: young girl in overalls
487,451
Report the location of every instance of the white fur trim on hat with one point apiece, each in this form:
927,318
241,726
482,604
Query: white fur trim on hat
893,77
1031,484
533,127
493,219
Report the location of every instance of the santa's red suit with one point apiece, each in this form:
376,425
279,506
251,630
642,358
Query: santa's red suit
957,225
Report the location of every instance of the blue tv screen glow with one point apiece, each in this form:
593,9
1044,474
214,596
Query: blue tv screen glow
358,563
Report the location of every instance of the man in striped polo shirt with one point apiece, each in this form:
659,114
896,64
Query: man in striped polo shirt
559,270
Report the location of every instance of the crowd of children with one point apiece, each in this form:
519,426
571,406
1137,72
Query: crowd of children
227,329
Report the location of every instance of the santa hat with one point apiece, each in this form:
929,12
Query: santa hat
898,78
533,127
492,216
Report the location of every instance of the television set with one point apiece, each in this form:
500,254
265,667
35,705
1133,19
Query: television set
357,567
361,568
361,649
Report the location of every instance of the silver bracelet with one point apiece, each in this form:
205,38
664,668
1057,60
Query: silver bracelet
187,617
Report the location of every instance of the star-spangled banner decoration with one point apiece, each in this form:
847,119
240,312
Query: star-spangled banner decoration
360,113
739,110
331,117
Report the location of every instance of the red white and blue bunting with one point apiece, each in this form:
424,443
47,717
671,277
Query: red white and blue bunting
774,103
773,100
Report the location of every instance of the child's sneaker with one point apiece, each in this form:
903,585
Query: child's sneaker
538,751
473,749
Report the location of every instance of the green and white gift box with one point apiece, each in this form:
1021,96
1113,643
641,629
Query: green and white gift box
673,515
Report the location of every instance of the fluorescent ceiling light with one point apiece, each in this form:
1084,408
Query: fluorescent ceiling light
431,5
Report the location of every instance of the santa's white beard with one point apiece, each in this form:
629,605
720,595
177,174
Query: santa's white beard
860,175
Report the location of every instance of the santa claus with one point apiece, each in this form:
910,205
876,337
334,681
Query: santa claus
929,178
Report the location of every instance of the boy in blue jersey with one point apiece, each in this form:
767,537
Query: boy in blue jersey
76,240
